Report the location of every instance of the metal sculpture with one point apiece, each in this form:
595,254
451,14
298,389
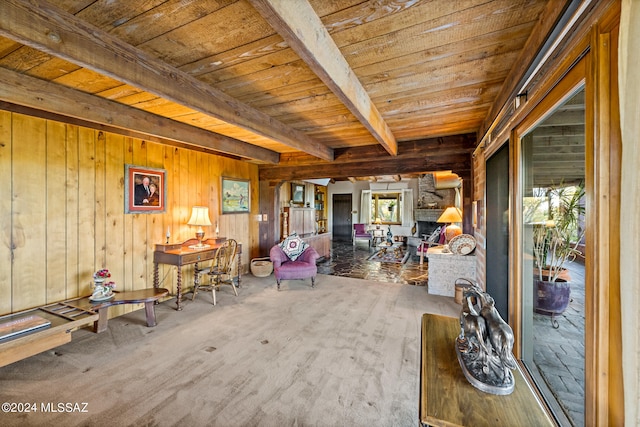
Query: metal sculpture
485,344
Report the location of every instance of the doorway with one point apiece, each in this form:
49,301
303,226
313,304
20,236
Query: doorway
342,206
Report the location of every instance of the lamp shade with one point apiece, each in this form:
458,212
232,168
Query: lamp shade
199,216
451,214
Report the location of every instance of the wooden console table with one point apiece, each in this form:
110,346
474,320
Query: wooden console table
180,254
447,398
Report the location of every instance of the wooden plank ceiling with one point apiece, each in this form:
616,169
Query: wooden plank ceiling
305,88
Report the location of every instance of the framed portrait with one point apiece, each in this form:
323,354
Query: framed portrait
145,189
235,195
297,193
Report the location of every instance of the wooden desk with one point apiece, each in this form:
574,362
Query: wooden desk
180,254
447,398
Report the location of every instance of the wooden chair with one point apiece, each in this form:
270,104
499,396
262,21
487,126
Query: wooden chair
425,244
221,271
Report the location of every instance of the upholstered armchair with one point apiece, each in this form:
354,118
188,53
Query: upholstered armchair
303,267
360,233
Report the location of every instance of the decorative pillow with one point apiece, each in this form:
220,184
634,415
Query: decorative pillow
293,246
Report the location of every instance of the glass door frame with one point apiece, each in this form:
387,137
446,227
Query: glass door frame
591,61
573,82
594,39
567,87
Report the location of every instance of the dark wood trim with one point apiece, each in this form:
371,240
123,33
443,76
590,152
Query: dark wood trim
268,205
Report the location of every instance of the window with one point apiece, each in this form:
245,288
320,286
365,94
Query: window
386,207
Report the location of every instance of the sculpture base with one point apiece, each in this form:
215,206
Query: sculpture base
487,377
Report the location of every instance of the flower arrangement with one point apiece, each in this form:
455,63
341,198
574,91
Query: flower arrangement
100,285
101,274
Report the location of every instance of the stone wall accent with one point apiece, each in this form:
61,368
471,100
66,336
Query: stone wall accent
428,195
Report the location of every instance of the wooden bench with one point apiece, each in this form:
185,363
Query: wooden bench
448,399
62,318
149,297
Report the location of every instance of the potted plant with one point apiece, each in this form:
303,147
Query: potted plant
555,242
392,204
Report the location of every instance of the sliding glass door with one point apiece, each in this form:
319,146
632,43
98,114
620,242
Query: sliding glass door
552,206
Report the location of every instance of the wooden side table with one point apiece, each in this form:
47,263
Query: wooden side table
448,399
379,236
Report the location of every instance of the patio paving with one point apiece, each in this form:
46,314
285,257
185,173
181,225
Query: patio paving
559,353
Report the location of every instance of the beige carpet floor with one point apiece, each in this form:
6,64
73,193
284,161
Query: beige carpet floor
343,354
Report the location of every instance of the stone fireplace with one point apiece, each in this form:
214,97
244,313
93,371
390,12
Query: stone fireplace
431,202
426,221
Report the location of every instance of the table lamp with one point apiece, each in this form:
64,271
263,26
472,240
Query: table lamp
377,222
199,217
450,216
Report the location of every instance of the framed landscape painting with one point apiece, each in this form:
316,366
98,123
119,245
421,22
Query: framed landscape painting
145,189
235,195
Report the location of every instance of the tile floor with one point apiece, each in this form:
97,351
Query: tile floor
352,261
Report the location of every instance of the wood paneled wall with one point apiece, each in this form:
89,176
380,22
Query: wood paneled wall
62,209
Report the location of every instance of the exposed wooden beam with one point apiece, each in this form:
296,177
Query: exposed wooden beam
303,30
44,27
458,163
42,95
451,153
351,179
446,145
